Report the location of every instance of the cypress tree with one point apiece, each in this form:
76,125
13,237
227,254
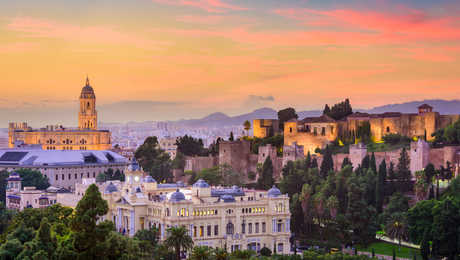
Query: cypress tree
266,180
404,173
327,164
231,138
373,163
380,187
365,162
314,163
308,161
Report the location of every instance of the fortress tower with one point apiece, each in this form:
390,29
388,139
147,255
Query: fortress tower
87,115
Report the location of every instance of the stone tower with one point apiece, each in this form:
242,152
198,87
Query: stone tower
87,115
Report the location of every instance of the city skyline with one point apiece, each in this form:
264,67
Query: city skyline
187,59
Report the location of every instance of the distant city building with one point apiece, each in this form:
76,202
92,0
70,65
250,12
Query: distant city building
63,168
265,127
85,137
168,144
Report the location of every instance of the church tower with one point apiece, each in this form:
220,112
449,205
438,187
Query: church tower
87,115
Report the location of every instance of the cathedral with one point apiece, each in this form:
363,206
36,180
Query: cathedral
85,137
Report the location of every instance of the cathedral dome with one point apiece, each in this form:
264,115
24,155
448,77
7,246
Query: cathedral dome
87,91
177,196
111,188
274,192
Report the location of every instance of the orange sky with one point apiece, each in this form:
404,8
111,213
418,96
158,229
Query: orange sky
196,57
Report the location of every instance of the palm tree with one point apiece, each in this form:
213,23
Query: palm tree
396,228
247,126
178,239
201,253
220,254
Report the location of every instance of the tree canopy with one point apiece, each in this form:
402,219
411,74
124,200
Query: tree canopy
154,160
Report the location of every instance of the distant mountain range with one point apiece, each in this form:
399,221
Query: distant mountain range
220,119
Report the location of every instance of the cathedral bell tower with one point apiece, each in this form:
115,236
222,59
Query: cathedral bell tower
87,115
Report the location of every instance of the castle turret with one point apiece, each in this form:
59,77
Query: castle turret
87,115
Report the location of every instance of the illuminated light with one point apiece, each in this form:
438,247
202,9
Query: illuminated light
340,143
136,179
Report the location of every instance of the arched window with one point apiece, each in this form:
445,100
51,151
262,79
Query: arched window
88,105
230,228
388,129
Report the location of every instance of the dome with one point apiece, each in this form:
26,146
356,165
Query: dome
138,190
87,91
201,184
227,198
149,179
111,188
274,192
177,196
134,166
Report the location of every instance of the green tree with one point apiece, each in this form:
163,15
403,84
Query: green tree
266,180
179,161
425,246
327,164
154,160
345,162
285,115
101,177
339,110
33,178
43,238
373,163
178,239
265,251
190,146
148,239
396,227
326,110
89,234
404,173
420,220
231,138
3,183
247,127
201,253
445,227
380,187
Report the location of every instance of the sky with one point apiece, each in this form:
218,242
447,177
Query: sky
172,59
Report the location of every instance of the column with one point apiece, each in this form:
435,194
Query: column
132,227
119,219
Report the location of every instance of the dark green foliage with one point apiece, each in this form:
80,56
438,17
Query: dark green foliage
346,162
190,146
265,251
178,239
101,177
339,110
179,161
425,245
285,115
373,163
3,176
327,164
380,187
33,178
5,217
111,175
430,172
276,141
314,163
445,227
231,138
219,175
403,170
395,139
363,132
90,235
154,160
449,135
266,180
148,239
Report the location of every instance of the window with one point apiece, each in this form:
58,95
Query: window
216,230
63,177
250,228
230,228
279,227
209,230
264,227
290,129
57,177
87,175
315,131
201,231
70,176
194,231
323,131
82,175
243,228
76,176
257,228
388,129
280,247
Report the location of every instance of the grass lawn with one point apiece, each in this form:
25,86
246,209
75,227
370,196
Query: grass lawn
384,248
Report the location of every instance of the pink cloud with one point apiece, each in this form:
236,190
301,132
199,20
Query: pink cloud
42,28
412,25
17,47
212,6
208,20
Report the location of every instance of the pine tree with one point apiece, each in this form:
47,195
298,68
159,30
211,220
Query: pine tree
365,162
391,171
326,110
404,174
266,180
327,164
308,161
380,187
89,234
314,163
